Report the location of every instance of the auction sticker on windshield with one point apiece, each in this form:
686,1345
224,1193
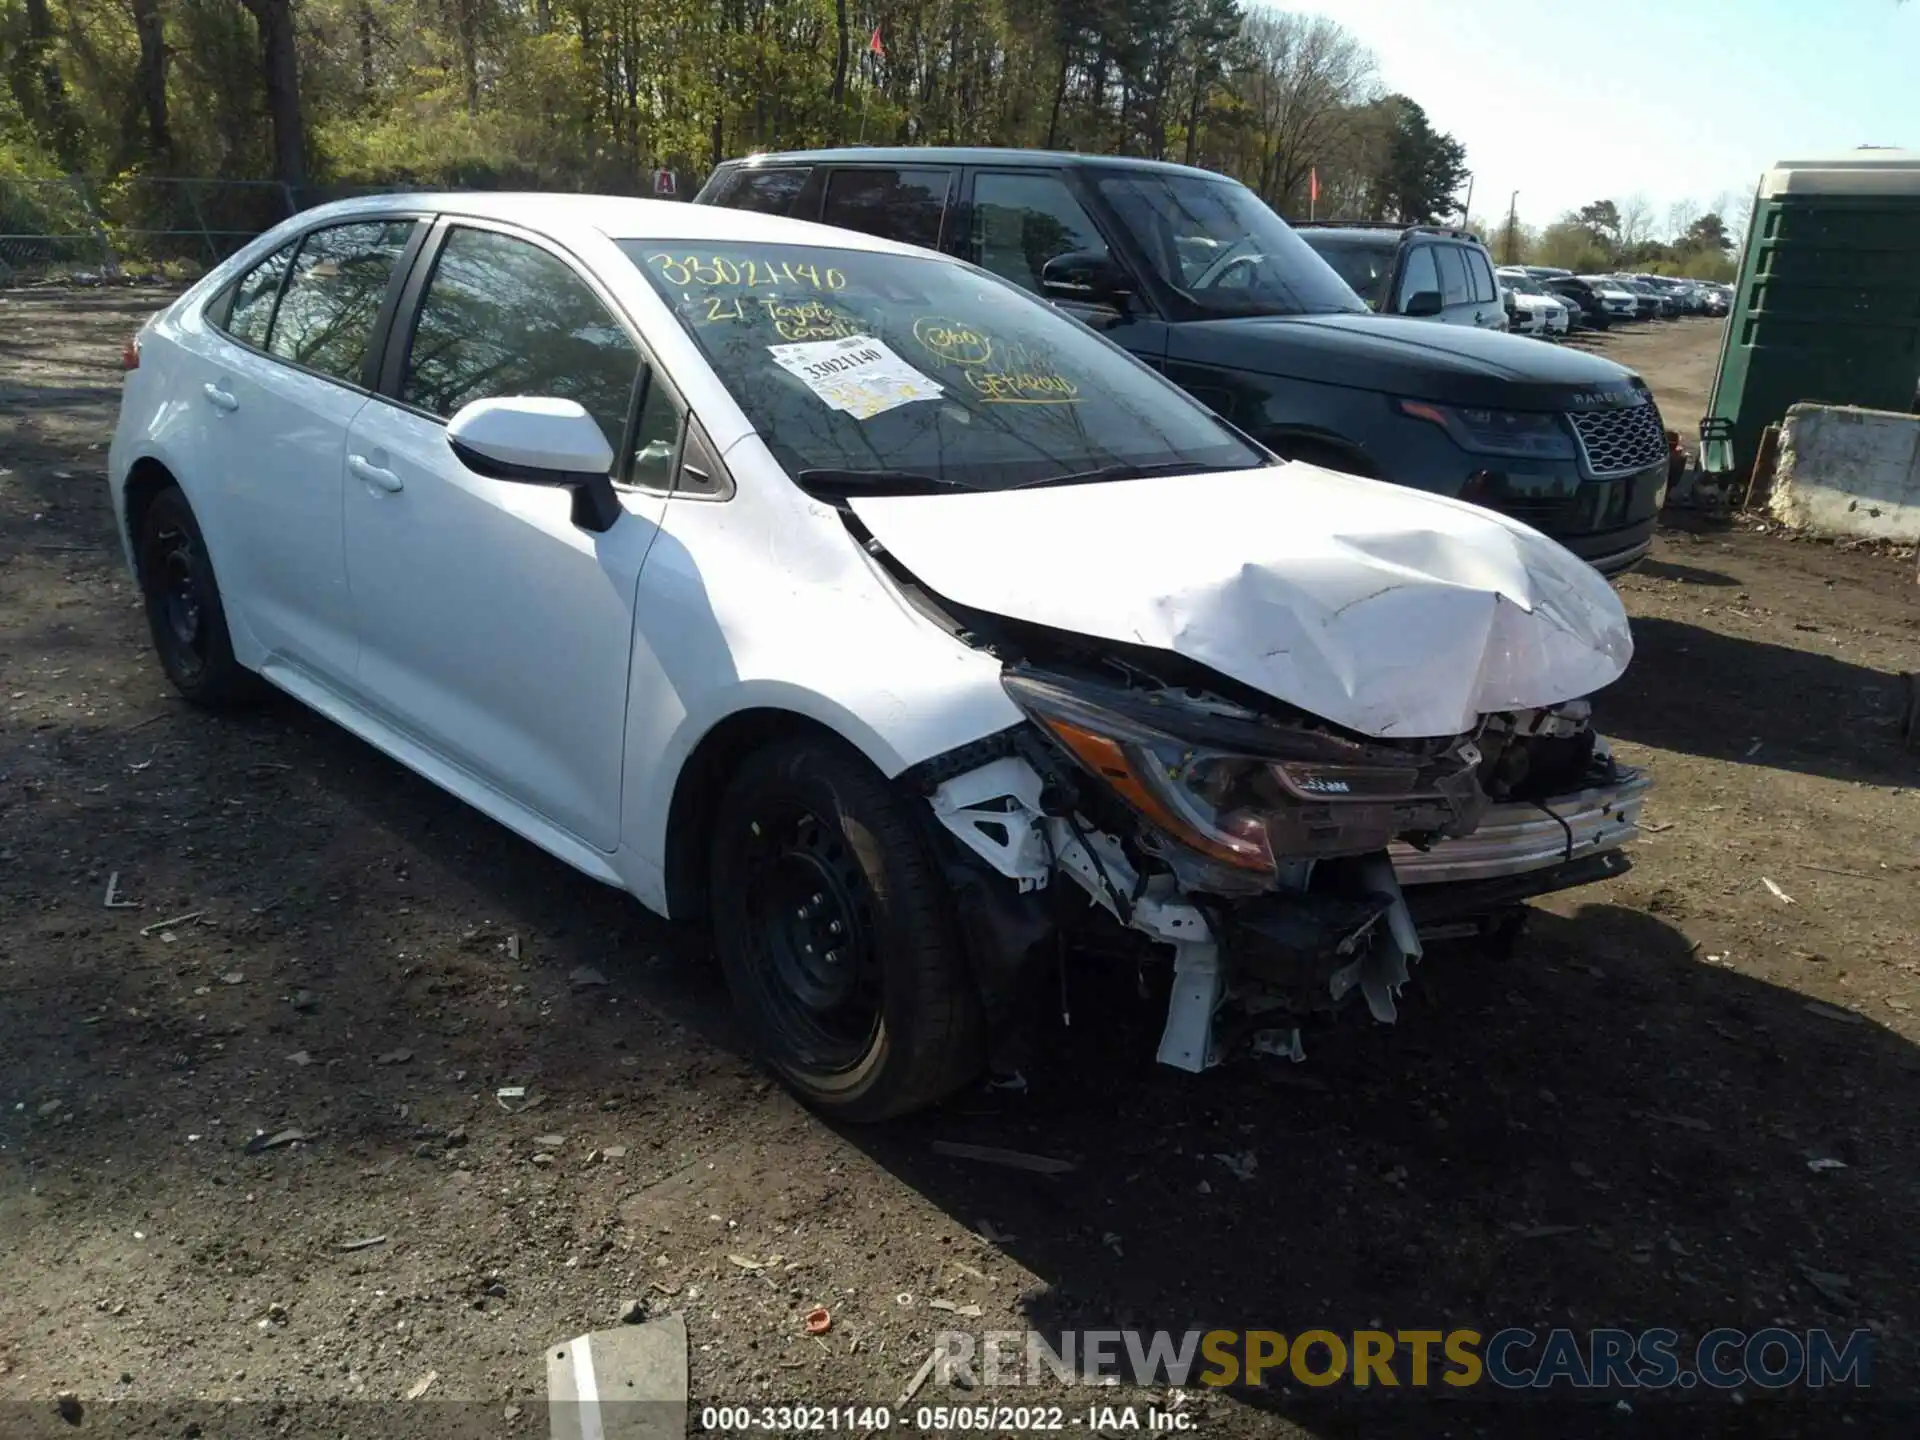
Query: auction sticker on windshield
858,374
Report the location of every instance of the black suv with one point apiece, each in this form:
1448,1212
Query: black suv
1194,275
1425,271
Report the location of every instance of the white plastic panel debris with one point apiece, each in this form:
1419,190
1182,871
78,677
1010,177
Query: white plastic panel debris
1383,609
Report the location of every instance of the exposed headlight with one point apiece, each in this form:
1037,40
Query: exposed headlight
1523,434
1240,809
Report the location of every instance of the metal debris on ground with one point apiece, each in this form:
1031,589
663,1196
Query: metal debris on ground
1825,1163
511,1098
366,1244
972,1312
1777,892
1012,1159
1832,1012
819,1320
513,947
1658,827
114,900
628,1383
422,1385
585,977
920,1375
264,1142
171,921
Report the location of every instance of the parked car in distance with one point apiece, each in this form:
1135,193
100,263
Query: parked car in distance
655,532
1396,268
1650,305
1590,309
1535,295
1522,319
1620,304
1196,277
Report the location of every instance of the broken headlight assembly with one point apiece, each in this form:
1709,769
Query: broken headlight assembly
1519,434
1227,796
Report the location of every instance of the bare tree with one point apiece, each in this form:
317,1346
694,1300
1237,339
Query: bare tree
1636,220
1680,216
1304,76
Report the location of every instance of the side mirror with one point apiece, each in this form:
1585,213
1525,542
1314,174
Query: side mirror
1423,303
540,441
1091,277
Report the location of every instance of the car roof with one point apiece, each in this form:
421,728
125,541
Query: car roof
618,217
968,155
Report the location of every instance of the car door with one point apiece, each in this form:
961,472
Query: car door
493,629
286,371
1018,220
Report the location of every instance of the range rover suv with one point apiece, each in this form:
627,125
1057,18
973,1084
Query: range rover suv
1195,276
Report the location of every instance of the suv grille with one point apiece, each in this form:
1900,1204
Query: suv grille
1619,442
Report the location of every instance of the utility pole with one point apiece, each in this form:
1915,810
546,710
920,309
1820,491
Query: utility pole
1513,229
1466,210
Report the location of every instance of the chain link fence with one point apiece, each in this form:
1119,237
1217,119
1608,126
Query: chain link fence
82,228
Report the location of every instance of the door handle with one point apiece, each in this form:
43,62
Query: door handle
221,399
374,475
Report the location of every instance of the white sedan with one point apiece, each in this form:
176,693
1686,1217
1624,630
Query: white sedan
1552,315
851,599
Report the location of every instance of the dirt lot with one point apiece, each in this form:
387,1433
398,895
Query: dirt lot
1612,1129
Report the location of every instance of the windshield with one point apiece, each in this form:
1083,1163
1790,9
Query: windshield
916,372
1217,245
1365,263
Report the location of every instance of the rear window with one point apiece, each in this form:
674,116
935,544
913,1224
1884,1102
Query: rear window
849,360
766,190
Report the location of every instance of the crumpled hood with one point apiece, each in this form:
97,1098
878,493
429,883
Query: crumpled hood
1389,611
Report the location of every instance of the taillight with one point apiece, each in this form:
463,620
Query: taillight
130,354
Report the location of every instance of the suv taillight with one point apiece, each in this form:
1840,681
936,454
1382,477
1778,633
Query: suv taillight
130,354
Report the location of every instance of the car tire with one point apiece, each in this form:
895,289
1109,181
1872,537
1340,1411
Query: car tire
185,613
836,933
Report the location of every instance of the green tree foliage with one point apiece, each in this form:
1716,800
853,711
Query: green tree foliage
597,94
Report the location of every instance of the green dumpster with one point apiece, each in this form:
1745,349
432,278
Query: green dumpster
1827,308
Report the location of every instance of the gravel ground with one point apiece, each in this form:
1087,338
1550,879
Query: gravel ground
1612,1128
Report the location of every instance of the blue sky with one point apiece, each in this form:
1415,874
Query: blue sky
1715,91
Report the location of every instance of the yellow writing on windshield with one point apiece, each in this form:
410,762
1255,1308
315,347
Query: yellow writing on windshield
753,274
809,320
1019,376
952,341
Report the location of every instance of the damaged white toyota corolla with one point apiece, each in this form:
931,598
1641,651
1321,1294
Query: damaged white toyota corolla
845,595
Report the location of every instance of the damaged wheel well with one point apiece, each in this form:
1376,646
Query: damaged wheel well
697,790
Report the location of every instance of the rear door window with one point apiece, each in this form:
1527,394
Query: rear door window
254,295
1419,275
1480,275
1455,288
768,191
1021,221
903,205
333,295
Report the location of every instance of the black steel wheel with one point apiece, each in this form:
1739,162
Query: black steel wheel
184,610
835,931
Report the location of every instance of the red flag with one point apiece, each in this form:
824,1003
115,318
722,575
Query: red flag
874,47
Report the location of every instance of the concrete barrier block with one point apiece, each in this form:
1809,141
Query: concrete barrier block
1846,471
